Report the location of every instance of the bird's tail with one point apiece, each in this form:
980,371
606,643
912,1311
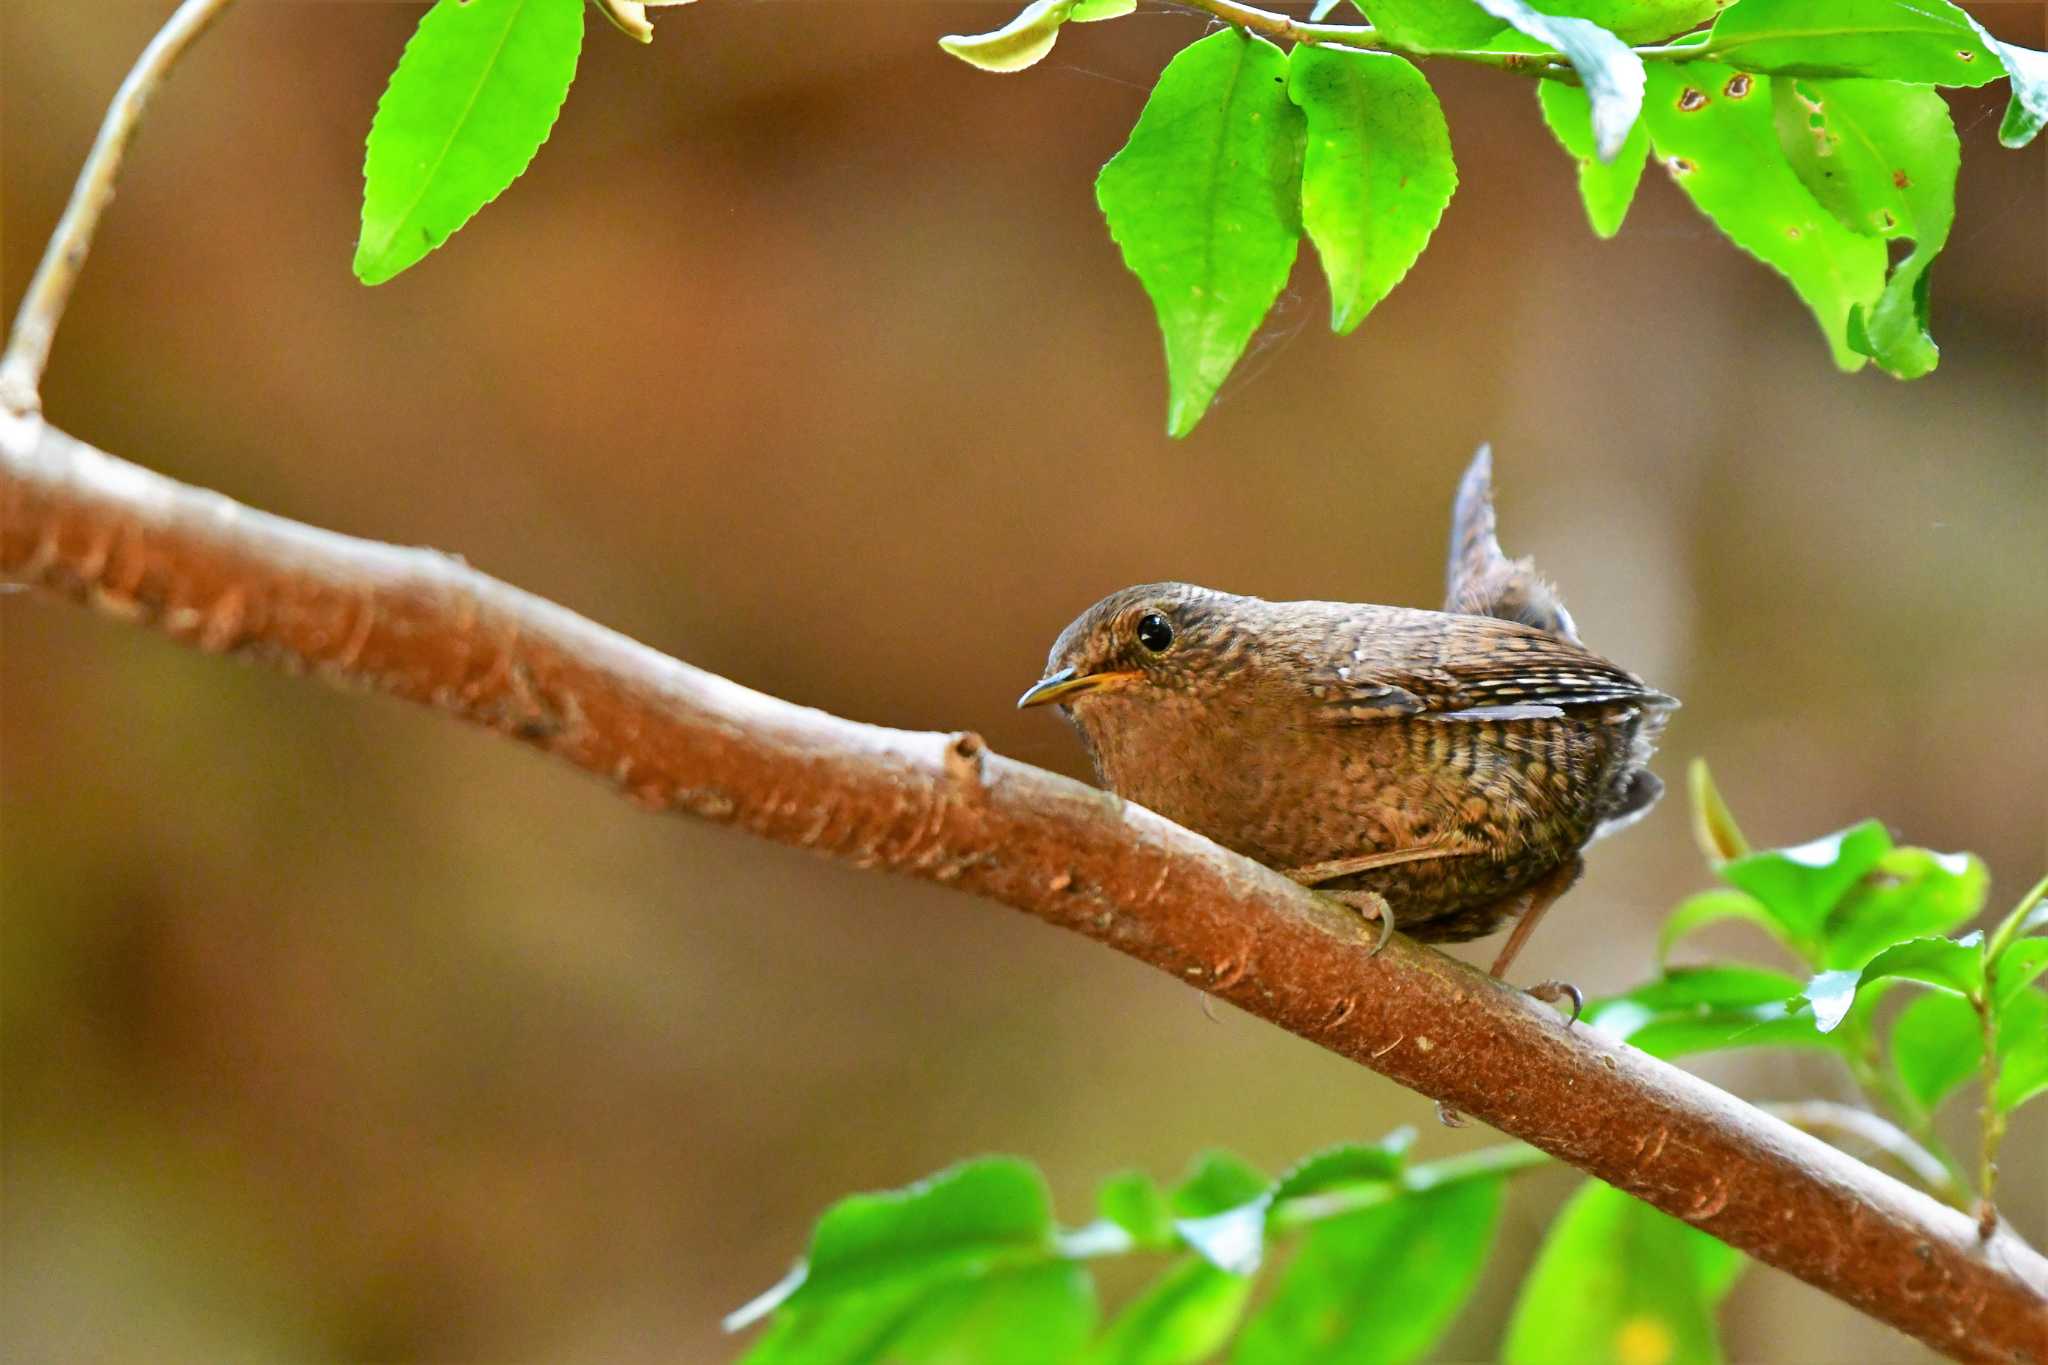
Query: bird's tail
1482,581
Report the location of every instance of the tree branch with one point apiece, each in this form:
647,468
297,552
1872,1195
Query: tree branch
35,325
81,525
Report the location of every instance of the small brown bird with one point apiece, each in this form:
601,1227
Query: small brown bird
1443,769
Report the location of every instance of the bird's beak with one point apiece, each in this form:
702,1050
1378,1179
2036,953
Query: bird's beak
1064,684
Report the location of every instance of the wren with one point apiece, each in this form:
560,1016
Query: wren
1442,770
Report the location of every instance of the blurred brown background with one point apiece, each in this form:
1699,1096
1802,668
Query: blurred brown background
335,1031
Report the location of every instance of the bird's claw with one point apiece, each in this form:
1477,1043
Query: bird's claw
1557,992
1449,1117
1372,905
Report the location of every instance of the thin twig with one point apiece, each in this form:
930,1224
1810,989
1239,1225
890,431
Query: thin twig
80,525
42,307
1824,1117
1281,28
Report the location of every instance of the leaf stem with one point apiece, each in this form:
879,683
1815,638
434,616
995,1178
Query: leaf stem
1505,1158
1279,27
1990,1117
42,306
1915,1122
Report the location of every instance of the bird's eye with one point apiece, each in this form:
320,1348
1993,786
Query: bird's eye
1155,632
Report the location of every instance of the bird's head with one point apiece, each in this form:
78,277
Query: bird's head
1147,643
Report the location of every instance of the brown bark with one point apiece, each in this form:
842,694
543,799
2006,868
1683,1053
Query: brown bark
81,525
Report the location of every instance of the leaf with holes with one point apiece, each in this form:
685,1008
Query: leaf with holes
1882,157
1712,127
1376,174
1205,200
473,98
1929,42
1617,1280
1607,187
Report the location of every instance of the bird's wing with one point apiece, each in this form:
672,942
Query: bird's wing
1480,580
1482,669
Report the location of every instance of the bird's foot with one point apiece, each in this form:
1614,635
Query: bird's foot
1556,993
1372,905
1449,1117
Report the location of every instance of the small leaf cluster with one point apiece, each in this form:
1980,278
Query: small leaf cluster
969,1267
1862,917
1809,131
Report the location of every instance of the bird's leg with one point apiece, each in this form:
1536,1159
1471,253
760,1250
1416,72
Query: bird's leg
1369,903
1538,899
1315,874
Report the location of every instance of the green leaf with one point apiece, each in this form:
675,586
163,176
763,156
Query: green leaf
1701,1009
1936,1043
2027,110
1607,187
1955,964
1950,964
852,1329
1218,1181
1882,157
1376,174
1205,200
1929,42
1611,74
2022,1050
1617,1281
1712,127
975,1217
1041,1315
1095,11
1432,25
1640,21
2018,965
1348,1163
1377,1287
1016,45
473,98
1132,1201
1713,824
1800,886
1831,994
1709,907
1222,1205
1184,1317
1911,892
